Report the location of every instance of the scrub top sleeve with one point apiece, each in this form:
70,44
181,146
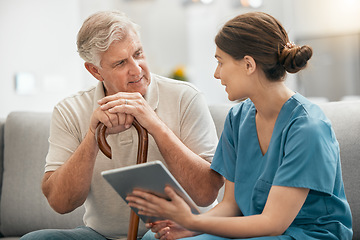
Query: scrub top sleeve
311,156
225,156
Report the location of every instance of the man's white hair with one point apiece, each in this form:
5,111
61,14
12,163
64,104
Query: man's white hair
99,31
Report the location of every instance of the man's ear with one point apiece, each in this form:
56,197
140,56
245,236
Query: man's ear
250,64
94,70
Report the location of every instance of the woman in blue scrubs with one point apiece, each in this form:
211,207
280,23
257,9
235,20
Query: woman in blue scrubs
278,151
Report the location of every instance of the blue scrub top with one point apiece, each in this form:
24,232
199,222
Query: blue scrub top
303,152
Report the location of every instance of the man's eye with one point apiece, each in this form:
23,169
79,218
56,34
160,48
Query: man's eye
139,54
120,63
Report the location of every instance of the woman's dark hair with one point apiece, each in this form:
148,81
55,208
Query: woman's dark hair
262,37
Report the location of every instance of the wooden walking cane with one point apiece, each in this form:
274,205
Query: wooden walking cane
141,158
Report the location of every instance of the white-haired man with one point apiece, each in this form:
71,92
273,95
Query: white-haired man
182,133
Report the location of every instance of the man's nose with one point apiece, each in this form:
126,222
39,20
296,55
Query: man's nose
135,68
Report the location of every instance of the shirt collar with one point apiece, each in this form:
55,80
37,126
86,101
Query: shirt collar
152,93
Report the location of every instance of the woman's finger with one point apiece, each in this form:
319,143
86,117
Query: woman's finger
170,192
144,207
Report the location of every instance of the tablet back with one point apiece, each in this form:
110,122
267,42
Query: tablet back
150,177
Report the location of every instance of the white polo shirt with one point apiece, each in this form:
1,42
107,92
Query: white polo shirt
178,104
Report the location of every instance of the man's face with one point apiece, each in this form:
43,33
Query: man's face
124,67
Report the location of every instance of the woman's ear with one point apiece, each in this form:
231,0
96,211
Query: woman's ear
250,64
94,70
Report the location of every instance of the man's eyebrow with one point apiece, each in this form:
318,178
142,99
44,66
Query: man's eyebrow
217,56
116,62
139,49
121,60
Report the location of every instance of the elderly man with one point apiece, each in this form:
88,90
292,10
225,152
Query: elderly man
182,133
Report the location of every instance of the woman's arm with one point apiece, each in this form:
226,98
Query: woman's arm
228,206
168,229
281,208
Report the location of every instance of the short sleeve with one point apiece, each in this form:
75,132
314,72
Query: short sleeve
224,160
198,130
62,141
311,155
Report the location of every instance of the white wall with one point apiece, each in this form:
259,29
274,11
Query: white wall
39,37
174,34
34,38
332,28
326,17
163,31
203,23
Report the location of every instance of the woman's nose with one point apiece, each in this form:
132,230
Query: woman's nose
216,74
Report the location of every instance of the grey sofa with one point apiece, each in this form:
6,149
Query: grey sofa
23,147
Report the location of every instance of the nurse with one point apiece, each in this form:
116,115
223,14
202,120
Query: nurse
278,151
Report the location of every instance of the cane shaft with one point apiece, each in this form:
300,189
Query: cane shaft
141,158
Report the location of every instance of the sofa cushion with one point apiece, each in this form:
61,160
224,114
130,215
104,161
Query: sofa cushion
219,113
23,206
2,123
345,118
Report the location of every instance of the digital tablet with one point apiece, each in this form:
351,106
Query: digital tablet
151,177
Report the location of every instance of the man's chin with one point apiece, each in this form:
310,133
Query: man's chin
142,90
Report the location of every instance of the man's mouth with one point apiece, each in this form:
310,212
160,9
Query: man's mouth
137,80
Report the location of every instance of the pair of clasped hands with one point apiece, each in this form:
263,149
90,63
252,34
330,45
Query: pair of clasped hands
117,113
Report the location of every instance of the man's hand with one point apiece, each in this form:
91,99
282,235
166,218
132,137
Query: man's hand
126,106
115,122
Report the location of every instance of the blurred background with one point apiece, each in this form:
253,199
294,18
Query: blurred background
39,64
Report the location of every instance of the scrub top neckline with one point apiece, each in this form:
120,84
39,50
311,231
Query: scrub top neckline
253,114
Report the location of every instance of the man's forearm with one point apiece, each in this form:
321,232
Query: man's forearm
192,171
68,186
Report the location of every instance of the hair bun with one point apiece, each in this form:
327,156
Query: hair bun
294,58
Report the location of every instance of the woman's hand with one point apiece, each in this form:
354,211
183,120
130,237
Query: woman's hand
169,230
150,205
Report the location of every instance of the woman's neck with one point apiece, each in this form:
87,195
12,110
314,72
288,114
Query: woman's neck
270,98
